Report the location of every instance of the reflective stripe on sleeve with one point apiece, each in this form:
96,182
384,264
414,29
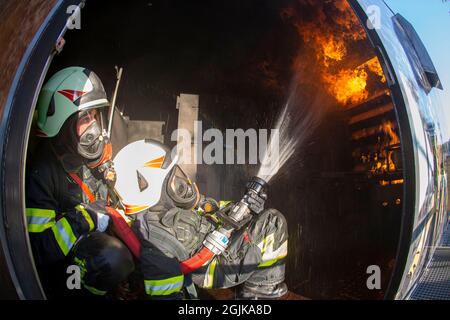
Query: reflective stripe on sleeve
164,287
39,220
86,216
64,235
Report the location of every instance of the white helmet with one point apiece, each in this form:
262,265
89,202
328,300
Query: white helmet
145,170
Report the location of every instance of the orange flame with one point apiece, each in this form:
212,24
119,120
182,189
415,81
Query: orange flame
388,128
384,161
326,37
374,66
348,85
351,85
332,50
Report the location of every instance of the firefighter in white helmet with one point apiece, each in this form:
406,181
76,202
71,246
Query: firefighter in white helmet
172,220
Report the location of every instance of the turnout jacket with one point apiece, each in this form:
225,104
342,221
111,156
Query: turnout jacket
55,216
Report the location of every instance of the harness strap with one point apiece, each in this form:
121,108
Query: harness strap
84,187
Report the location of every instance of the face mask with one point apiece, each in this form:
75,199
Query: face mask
182,191
91,142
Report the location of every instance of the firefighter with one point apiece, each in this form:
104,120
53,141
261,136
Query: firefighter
172,219
66,188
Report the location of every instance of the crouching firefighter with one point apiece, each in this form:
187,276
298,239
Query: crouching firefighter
186,237
66,188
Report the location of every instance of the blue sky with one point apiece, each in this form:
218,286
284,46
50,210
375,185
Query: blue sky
431,19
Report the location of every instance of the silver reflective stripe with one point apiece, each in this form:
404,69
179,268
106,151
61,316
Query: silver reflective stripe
64,235
164,287
38,220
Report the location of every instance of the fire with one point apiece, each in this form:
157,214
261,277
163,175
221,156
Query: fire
348,85
385,183
332,50
384,162
375,66
388,128
327,37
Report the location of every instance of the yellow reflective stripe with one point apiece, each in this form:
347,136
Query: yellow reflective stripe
270,256
36,228
267,243
223,204
86,216
271,262
39,220
164,287
64,235
209,277
264,245
35,212
94,290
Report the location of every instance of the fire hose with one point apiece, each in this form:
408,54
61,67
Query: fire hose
232,218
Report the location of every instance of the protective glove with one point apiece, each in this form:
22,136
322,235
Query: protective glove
97,210
256,201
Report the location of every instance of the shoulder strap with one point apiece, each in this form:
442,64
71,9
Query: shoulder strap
84,187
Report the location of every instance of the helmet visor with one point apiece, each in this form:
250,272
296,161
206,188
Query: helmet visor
89,117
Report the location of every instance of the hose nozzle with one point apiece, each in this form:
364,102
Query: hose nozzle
256,184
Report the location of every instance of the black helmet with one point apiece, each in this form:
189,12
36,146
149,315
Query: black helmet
104,262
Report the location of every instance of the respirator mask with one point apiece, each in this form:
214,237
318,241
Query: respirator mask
181,190
91,140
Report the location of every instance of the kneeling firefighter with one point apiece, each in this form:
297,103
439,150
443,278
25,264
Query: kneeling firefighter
66,188
186,237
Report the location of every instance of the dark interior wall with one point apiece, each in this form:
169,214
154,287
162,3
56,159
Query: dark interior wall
338,223
237,56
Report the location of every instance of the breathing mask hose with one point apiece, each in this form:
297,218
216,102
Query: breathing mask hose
217,241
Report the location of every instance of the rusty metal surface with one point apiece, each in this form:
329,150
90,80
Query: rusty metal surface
20,19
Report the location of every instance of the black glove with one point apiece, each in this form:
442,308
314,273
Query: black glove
256,201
